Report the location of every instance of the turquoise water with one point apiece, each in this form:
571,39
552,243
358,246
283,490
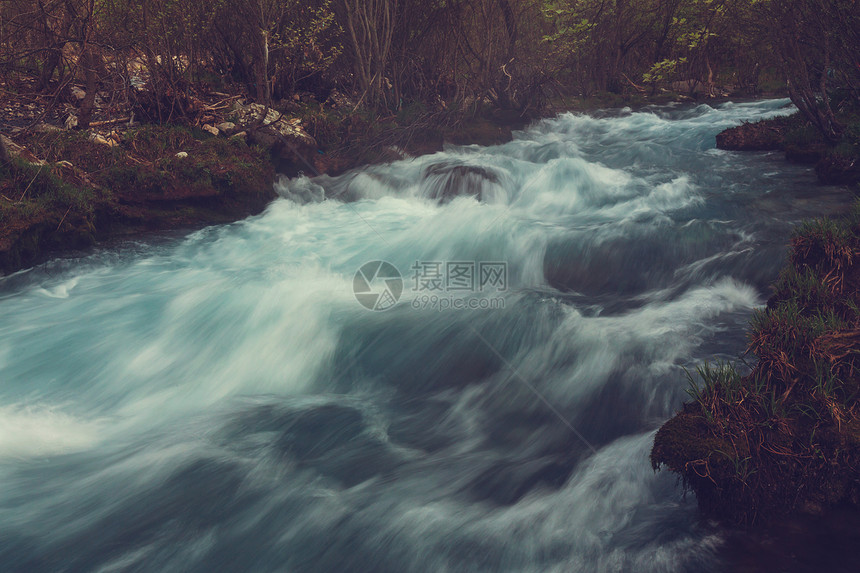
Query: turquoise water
220,400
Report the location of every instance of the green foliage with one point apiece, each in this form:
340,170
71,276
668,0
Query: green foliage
302,40
513,53
411,112
846,150
608,43
802,135
663,70
152,142
721,379
212,166
28,190
76,148
823,243
804,288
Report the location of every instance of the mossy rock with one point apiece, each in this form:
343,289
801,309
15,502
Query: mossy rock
764,135
683,440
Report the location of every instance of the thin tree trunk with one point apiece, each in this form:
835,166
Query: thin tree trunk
88,103
505,77
370,24
5,158
52,59
261,72
801,88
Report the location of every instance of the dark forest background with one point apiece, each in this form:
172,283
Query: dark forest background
387,55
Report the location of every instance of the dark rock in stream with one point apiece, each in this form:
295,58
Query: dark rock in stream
450,181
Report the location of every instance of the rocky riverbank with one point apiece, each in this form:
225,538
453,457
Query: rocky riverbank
835,164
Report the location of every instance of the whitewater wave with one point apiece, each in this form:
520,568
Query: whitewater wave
28,431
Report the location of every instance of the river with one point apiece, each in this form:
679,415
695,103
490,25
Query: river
450,363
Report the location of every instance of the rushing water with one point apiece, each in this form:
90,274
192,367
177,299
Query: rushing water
221,400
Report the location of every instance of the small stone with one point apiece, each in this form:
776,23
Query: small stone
78,92
181,155
227,127
71,121
102,140
240,135
211,129
46,128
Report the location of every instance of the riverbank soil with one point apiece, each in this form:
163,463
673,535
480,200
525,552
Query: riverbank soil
65,190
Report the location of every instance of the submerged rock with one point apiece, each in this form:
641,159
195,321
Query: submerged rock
760,136
801,142
446,181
